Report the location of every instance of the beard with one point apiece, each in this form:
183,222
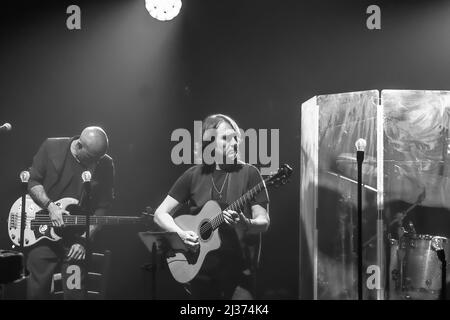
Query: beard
227,156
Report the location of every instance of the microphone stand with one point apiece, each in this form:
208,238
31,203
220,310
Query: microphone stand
441,254
86,176
360,159
24,177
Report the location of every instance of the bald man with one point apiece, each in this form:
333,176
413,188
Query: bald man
55,174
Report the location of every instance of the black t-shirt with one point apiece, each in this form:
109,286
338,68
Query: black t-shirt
64,180
230,249
56,169
181,190
75,169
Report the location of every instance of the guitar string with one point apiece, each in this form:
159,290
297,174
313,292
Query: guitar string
72,219
43,220
48,222
240,202
215,222
44,217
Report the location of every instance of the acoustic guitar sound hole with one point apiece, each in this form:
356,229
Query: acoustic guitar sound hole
205,230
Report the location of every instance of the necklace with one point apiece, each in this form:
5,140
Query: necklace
223,184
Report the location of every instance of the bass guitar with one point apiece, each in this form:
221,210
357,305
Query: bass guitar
38,225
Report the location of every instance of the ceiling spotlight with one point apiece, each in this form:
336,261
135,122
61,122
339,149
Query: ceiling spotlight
163,10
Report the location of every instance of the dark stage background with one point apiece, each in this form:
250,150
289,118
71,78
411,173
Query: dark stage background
140,79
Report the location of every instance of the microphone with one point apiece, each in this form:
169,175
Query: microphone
86,176
360,145
6,127
437,243
25,176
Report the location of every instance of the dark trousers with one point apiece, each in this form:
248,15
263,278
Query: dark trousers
46,259
217,287
219,277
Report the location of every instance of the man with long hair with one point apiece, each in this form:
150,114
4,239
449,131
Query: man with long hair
227,272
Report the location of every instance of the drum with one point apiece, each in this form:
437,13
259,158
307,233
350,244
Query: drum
11,266
415,269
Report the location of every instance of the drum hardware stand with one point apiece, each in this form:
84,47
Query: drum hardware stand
437,244
441,255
